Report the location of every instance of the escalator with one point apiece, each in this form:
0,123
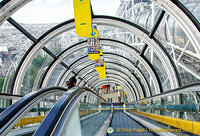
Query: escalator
87,114
81,112
15,112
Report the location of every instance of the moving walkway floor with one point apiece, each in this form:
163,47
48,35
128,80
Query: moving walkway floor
124,125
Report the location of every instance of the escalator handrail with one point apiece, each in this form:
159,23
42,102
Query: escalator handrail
10,96
12,110
180,90
67,100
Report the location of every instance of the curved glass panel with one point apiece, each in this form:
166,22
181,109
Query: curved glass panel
158,66
80,67
104,48
148,77
55,76
78,54
13,47
32,119
170,34
63,41
75,56
34,74
120,35
6,81
38,16
189,62
187,77
120,52
34,17
193,6
178,45
4,103
173,109
86,74
138,11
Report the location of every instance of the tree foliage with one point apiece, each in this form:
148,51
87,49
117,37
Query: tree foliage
32,72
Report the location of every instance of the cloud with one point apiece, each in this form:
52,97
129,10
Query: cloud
53,2
51,11
110,8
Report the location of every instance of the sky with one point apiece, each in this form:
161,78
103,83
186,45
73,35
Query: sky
57,11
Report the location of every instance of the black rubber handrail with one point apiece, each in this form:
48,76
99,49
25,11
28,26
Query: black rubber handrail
12,110
67,100
10,95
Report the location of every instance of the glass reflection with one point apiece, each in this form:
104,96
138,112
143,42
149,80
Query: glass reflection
33,76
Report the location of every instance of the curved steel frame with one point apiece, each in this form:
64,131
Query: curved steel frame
87,67
113,72
106,56
185,19
112,43
10,8
70,25
174,8
116,77
116,82
183,16
118,72
124,87
170,70
88,74
117,57
133,82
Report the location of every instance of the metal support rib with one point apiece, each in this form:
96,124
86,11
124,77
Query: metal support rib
69,25
88,74
67,50
21,29
106,55
155,27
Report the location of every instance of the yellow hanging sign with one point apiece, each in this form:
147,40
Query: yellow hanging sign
93,56
83,19
95,33
99,69
93,53
102,74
